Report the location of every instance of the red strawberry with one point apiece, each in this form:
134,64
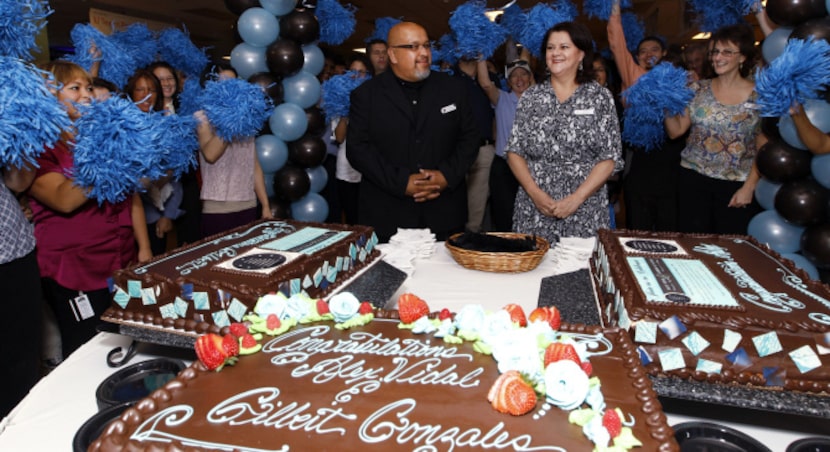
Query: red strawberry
558,351
365,308
411,308
248,341
611,421
517,314
587,368
549,314
511,394
444,314
209,350
322,307
230,345
238,329
272,322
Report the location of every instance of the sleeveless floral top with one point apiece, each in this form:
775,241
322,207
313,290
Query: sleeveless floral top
721,143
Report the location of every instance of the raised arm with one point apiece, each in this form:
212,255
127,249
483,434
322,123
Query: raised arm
211,146
483,79
816,141
678,125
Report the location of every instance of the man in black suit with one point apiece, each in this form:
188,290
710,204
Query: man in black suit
413,137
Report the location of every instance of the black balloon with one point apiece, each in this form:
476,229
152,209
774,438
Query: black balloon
790,13
780,162
279,209
818,28
802,202
815,245
769,125
300,25
270,83
316,121
284,57
239,6
308,151
291,183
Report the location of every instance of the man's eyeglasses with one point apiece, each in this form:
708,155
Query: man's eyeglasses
413,47
726,53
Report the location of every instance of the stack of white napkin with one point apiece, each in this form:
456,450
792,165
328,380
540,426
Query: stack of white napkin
572,253
407,245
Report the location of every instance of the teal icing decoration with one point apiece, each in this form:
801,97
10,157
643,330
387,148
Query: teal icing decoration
121,298
181,307
325,268
168,311
739,359
221,319
318,277
352,251
295,286
338,264
646,332
237,310
695,343
362,255
200,301
347,264
332,275
731,339
307,282
710,367
645,358
671,359
134,288
767,344
148,296
805,359
672,327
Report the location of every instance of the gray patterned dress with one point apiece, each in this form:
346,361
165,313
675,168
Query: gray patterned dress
562,142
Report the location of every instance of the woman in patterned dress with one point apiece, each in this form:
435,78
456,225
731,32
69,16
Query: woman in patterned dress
718,175
565,143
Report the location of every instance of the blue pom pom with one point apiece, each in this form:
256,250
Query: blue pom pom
601,9
445,50
189,97
31,115
117,65
382,27
659,92
541,18
177,49
513,20
336,91
139,42
474,33
336,21
714,14
236,109
802,69
633,30
177,143
116,147
20,23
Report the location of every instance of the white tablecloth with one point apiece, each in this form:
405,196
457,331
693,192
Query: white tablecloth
47,419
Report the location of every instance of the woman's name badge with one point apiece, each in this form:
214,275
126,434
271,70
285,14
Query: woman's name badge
587,111
81,307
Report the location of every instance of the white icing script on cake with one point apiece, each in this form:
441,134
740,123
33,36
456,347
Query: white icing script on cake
776,302
415,362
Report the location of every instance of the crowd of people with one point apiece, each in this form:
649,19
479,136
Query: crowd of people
535,149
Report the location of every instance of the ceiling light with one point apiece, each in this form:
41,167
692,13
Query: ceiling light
702,35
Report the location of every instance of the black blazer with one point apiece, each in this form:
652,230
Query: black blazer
387,143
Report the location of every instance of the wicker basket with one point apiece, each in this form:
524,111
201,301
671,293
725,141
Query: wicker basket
500,262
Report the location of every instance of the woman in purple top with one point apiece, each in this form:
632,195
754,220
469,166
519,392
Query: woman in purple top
79,242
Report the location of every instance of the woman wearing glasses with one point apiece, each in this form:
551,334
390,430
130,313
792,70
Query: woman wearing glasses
565,142
718,175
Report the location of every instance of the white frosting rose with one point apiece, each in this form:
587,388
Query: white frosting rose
297,307
271,304
518,351
566,384
423,326
596,432
496,325
344,306
595,398
445,329
470,318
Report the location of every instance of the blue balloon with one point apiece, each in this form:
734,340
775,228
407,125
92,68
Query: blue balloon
313,59
803,263
765,193
818,112
258,27
319,178
769,228
774,43
311,207
820,167
302,89
288,122
272,153
278,7
269,185
248,59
